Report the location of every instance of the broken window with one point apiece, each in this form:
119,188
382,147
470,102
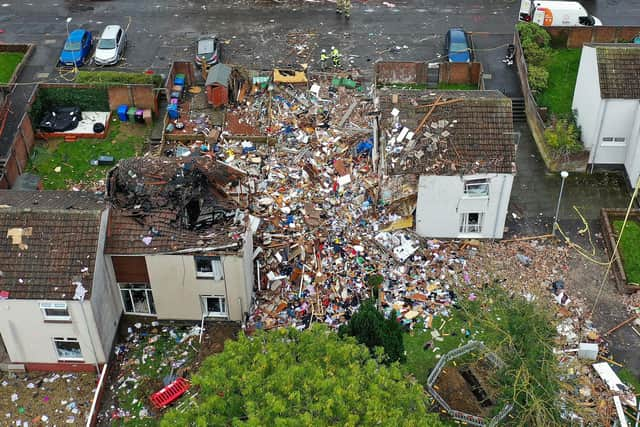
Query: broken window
209,267
476,188
68,349
471,222
214,306
55,311
137,298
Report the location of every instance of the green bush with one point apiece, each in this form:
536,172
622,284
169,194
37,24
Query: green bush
538,78
87,99
370,328
535,54
117,78
563,137
533,32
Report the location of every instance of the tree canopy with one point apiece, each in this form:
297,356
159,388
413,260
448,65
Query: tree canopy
370,328
292,378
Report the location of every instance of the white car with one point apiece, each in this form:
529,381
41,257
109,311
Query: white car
111,46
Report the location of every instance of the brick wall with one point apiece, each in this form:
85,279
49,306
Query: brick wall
575,37
400,72
18,157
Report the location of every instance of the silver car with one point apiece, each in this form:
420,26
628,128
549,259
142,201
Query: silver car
111,46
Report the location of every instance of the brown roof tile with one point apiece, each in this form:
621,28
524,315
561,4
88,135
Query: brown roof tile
62,248
127,229
618,71
471,135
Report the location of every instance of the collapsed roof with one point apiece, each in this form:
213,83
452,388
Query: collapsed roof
167,204
447,132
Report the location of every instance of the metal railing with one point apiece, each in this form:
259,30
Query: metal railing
456,414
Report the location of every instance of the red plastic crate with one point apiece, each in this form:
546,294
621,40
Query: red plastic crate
170,393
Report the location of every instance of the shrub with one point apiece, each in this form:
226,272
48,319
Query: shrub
87,99
563,137
370,328
538,78
534,53
533,32
117,77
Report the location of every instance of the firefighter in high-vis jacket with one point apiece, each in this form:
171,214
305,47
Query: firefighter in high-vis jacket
343,7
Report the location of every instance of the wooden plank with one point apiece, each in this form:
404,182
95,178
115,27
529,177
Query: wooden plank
426,116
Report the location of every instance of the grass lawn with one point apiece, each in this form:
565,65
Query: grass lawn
8,63
630,249
419,361
454,86
563,71
73,158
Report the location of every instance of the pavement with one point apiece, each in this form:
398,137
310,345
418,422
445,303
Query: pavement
535,193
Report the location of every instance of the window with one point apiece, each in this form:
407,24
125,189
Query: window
610,141
214,306
471,222
476,188
68,348
209,267
137,298
55,311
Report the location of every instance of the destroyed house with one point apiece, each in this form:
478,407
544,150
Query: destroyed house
606,102
58,310
460,145
177,239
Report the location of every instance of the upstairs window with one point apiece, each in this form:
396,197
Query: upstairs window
209,268
476,188
55,311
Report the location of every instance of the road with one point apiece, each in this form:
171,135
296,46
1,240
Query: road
255,33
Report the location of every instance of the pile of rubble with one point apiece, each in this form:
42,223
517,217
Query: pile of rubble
46,398
150,357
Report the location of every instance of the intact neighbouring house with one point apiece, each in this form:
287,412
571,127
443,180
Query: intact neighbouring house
563,37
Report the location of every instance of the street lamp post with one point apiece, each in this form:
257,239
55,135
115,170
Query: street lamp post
564,175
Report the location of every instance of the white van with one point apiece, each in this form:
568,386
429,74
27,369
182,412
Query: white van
556,14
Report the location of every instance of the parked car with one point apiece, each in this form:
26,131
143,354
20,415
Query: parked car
111,46
76,49
457,45
207,50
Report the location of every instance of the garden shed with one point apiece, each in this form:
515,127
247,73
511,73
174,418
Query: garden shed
218,85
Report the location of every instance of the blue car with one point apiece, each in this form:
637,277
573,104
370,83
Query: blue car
457,45
76,49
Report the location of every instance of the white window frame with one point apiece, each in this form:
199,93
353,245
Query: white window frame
67,359
466,228
210,274
126,287
44,306
614,141
203,300
476,183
